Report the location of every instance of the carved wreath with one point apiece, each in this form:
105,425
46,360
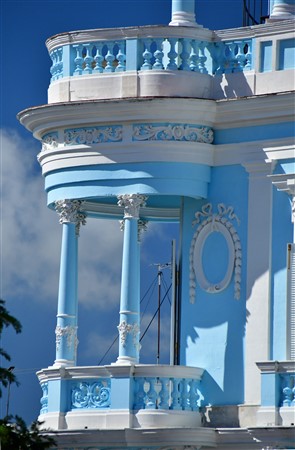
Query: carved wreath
210,222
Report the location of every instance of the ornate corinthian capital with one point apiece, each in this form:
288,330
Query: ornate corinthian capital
69,212
131,204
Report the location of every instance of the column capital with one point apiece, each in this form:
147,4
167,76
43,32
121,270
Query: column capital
69,212
131,204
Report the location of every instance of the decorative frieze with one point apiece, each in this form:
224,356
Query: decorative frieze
69,333
125,328
172,132
93,135
210,222
131,203
92,395
69,212
49,141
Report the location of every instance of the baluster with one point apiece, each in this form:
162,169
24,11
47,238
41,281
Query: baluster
240,57
248,56
184,394
158,54
193,395
53,67
140,394
202,58
287,395
121,57
229,57
172,55
61,62
185,53
110,58
175,395
219,58
147,55
151,394
88,60
98,58
164,393
78,60
194,56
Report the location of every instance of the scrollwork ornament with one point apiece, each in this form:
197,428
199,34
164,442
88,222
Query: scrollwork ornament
125,328
92,395
173,132
70,333
69,212
209,222
93,135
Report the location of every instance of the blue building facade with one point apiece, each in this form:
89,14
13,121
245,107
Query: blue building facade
178,124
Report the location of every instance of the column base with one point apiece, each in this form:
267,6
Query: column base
126,360
64,363
183,19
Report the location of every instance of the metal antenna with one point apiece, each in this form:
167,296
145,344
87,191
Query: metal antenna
160,268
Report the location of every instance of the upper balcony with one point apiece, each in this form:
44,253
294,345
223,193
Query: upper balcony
167,61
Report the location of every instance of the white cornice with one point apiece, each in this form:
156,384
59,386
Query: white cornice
110,34
221,114
276,366
253,111
41,119
267,29
253,152
114,211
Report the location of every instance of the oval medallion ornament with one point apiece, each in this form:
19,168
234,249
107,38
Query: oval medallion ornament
211,223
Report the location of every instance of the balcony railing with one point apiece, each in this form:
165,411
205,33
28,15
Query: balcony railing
277,393
140,391
169,53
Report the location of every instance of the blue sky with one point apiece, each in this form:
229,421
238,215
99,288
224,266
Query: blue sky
30,234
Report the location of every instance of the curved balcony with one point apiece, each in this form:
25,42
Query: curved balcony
120,396
148,61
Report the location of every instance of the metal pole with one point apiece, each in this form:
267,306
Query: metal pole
159,313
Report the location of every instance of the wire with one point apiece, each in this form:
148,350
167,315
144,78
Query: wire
155,314
254,21
116,338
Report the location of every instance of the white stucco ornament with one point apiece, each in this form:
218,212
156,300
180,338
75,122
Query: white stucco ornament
220,222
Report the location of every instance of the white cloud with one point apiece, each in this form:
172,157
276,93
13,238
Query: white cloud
31,237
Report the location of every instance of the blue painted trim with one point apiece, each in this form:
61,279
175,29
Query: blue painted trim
112,180
257,133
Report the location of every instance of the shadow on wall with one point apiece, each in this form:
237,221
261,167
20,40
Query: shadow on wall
233,85
216,340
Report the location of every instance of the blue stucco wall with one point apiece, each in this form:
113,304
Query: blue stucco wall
213,328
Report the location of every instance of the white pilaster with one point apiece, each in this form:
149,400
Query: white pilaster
257,343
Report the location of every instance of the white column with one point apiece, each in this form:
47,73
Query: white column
282,9
183,13
66,330
257,344
129,326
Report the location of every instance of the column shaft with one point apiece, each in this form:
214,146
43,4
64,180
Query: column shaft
130,301
66,329
129,326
